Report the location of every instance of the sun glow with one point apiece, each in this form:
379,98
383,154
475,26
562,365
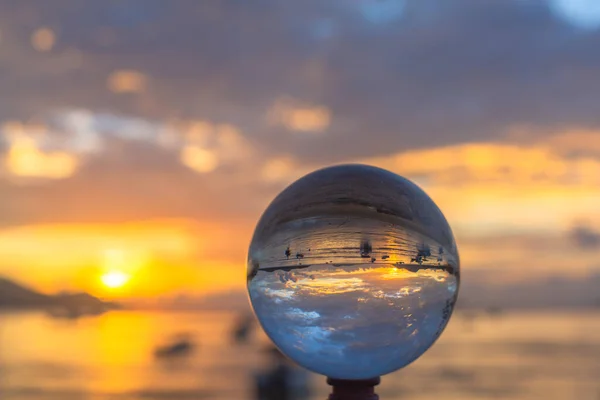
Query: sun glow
114,279
116,262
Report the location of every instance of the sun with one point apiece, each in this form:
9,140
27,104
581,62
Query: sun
114,279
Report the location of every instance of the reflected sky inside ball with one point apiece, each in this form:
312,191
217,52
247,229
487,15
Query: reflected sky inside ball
353,272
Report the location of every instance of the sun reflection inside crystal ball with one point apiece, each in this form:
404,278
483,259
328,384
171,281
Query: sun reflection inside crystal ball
353,272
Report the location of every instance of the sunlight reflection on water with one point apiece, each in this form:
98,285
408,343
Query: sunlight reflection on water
512,356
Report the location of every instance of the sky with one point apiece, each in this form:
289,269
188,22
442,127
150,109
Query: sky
145,138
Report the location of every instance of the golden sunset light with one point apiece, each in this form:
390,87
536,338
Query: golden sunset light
157,257
115,279
141,142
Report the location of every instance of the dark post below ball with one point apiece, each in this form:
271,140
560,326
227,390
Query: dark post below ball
353,389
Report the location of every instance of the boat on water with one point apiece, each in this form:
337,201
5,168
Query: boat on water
180,347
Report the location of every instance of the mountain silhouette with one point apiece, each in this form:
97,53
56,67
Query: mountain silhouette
16,296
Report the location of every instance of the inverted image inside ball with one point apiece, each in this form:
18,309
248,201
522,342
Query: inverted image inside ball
353,272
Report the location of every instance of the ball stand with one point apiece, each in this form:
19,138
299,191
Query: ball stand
353,389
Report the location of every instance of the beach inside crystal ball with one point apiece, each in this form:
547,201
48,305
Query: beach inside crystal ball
353,272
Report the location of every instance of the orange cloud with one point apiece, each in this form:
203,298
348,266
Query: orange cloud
199,159
278,169
481,162
26,159
576,140
127,81
487,187
298,116
208,145
43,39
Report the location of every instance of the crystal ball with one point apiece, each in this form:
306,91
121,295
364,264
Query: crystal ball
353,272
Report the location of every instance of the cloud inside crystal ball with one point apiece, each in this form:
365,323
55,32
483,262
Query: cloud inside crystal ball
353,272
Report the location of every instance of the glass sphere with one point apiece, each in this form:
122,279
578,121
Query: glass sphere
353,272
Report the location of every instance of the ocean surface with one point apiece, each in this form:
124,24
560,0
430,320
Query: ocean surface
528,355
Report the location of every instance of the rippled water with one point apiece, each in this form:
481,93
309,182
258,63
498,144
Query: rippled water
338,240
520,356
333,318
352,297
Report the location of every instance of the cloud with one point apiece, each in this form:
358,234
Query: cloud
199,159
299,117
485,188
584,14
207,145
28,154
502,187
25,159
208,114
278,169
43,39
437,74
126,81
575,142
63,140
558,160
